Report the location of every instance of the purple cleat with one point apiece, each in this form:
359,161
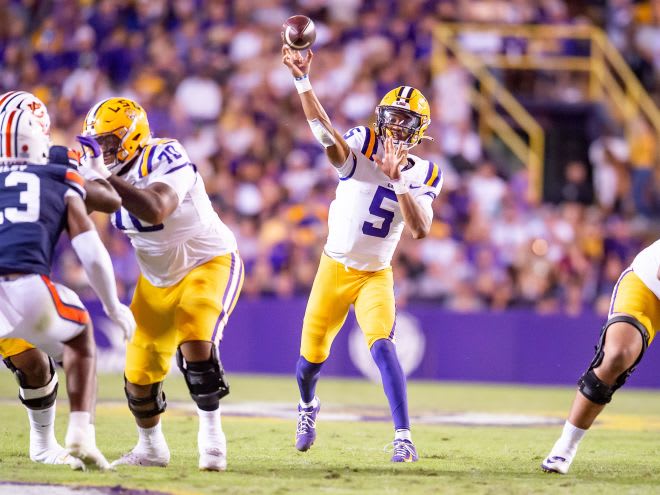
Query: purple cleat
306,430
404,451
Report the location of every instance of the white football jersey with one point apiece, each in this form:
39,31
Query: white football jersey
192,235
646,265
365,220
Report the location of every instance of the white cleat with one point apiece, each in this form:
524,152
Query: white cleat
212,452
80,443
57,455
90,455
556,464
134,458
213,459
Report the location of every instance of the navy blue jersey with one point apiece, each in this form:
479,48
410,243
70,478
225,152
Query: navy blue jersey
33,214
61,155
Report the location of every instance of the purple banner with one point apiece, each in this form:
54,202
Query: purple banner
263,336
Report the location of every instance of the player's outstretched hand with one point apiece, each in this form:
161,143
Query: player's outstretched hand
392,159
93,159
298,65
123,317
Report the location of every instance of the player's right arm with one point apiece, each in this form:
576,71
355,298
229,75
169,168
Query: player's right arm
336,147
96,262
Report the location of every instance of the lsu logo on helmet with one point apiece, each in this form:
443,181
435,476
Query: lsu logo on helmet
404,114
121,128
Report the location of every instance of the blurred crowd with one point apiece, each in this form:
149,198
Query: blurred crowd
209,73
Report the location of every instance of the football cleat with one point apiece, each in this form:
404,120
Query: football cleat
556,464
90,455
57,455
404,451
136,458
212,454
306,429
213,459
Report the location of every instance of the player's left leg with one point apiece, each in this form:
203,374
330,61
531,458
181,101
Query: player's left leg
148,359
334,289
375,311
209,295
68,337
35,373
623,342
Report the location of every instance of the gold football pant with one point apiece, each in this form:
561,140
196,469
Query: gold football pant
196,308
11,347
632,297
335,288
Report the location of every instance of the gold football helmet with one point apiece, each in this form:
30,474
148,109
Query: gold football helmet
404,114
121,128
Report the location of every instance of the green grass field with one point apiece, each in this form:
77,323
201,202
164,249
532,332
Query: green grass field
619,456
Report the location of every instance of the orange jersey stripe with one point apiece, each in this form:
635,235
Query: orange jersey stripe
74,176
66,311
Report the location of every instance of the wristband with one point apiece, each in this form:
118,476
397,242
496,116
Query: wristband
400,186
302,83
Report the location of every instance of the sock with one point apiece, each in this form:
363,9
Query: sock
313,403
151,440
210,427
42,429
569,440
78,431
394,382
308,375
403,434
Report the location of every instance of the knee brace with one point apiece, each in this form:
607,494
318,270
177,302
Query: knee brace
205,379
592,387
149,406
35,398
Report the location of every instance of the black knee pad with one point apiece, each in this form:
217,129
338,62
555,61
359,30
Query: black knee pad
147,407
39,397
205,379
592,387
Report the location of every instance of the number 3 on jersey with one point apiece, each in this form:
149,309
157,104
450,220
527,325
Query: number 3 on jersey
28,199
376,209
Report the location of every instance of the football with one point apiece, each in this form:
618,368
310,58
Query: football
299,32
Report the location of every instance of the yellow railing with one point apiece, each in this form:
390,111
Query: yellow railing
610,81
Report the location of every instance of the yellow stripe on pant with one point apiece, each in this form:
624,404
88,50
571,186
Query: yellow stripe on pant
632,297
335,288
196,308
11,347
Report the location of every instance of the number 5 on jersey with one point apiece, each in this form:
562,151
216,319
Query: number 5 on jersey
377,210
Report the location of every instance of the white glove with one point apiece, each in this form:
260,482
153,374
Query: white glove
80,443
93,159
123,318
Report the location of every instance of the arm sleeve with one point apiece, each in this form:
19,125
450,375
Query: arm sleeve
96,262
